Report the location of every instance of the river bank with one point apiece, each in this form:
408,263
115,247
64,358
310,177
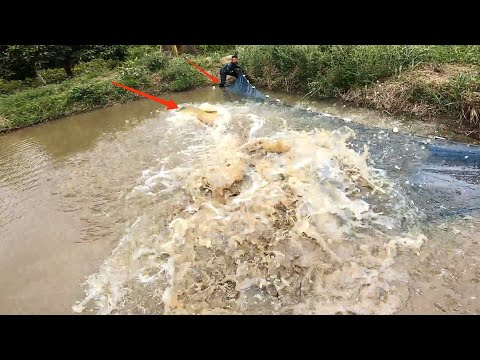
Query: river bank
439,84
430,82
53,95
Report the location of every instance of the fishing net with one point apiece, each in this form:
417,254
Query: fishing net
242,87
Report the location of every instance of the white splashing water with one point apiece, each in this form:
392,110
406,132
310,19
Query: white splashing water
278,224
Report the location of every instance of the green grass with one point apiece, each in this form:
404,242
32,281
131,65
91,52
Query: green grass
326,71
460,95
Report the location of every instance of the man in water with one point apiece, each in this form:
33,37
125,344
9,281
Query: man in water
232,69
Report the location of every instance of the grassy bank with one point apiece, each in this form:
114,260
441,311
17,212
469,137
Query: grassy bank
425,81
52,94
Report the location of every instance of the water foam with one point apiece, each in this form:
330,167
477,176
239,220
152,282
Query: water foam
275,224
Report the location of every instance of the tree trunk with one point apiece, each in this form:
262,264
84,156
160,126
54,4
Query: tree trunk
191,49
179,49
172,49
68,69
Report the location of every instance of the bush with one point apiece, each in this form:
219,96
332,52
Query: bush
113,52
96,67
154,61
325,70
89,94
138,51
134,76
53,76
9,87
182,75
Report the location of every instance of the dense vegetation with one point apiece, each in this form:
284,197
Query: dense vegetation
416,80
43,82
53,93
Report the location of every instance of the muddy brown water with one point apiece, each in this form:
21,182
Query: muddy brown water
64,205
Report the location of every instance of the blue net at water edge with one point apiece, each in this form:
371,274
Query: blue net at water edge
441,177
242,87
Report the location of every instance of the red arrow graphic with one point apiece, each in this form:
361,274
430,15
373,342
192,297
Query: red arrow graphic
213,78
169,104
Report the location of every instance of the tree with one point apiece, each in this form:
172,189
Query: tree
67,56
18,62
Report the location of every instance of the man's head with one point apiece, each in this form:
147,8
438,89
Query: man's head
234,59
